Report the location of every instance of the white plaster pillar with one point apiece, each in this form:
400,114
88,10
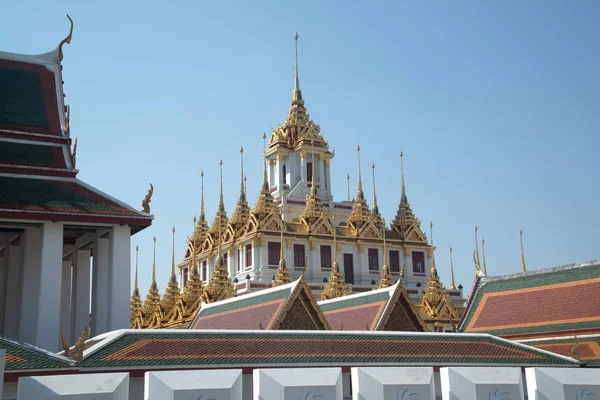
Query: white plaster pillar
12,307
303,168
119,284
65,301
80,309
100,287
49,298
31,242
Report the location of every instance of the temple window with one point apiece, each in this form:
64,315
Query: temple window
248,255
325,257
418,261
394,261
239,261
309,172
273,250
373,260
185,276
284,174
299,257
225,259
204,277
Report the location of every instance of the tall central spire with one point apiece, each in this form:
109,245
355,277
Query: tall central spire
221,202
242,211
202,214
242,191
359,194
403,198
297,95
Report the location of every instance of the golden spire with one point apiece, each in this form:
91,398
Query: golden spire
386,275
153,296
403,198
336,285
172,291
314,206
360,213
193,288
220,221
452,270
242,211
359,194
375,210
136,302
264,203
433,273
348,184
220,286
297,93
483,255
245,184
202,214
282,276
522,252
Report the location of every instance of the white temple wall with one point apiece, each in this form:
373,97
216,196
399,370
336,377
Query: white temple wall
100,280
31,241
12,306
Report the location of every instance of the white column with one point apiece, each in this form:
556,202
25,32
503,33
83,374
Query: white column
303,175
65,301
81,293
12,308
119,284
100,287
31,242
48,313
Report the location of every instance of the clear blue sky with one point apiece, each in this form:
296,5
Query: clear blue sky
496,106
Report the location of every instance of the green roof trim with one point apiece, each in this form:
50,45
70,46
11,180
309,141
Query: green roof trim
44,195
375,296
21,99
13,152
242,302
21,356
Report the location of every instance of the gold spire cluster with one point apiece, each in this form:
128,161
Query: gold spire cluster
386,276
219,224
435,301
172,291
336,285
375,214
297,126
282,275
242,211
153,296
136,302
201,227
406,225
523,267
264,204
314,205
220,285
360,214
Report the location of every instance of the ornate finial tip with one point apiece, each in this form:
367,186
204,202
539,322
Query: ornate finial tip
451,249
521,232
475,229
264,136
173,229
220,162
347,176
357,148
154,238
401,154
137,247
202,173
241,149
296,36
430,224
373,165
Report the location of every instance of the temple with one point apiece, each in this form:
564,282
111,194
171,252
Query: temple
51,223
295,228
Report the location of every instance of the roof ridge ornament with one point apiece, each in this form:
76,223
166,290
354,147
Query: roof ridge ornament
147,200
453,287
65,40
